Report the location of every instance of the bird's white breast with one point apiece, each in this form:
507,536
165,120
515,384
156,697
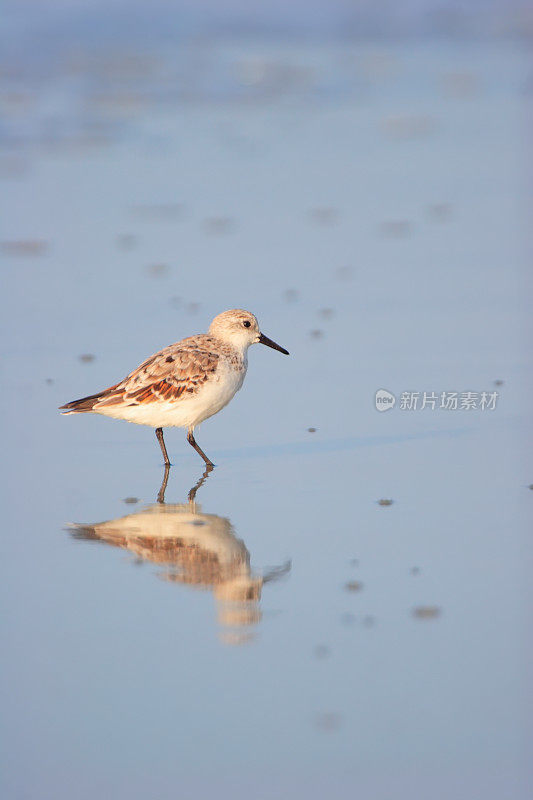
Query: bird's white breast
217,391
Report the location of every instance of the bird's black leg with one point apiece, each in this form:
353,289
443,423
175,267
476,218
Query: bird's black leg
159,434
192,440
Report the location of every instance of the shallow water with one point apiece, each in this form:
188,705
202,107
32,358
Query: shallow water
283,633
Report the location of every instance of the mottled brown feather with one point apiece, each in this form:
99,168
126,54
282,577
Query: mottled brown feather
167,375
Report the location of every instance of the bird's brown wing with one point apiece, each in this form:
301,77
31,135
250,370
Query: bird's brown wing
178,370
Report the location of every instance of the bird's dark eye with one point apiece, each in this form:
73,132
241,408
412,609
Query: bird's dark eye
246,323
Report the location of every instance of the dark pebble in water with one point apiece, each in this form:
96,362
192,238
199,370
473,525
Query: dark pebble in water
321,651
86,358
158,270
354,562
131,500
369,621
311,430
409,126
316,334
440,212
291,295
344,273
328,721
175,302
49,381
385,502
415,570
498,382
426,612
348,618
395,228
218,226
126,241
25,248
326,313
159,211
193,308
323,216
531,485
353,586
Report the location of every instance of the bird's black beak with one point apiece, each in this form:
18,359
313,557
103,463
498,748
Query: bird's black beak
269,343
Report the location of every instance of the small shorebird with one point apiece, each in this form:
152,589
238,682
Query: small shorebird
185,383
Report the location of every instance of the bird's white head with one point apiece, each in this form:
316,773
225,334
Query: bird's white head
240,329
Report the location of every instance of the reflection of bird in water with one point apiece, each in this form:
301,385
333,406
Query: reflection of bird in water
196,549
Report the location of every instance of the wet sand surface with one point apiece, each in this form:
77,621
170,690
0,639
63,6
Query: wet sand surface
341,607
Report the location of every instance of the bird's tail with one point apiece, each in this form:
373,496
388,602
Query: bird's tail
85,404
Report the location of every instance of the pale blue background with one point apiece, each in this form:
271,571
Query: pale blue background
117,684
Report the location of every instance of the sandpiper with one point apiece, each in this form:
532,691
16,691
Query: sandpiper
186,382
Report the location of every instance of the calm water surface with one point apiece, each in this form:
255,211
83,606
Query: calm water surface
279,633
